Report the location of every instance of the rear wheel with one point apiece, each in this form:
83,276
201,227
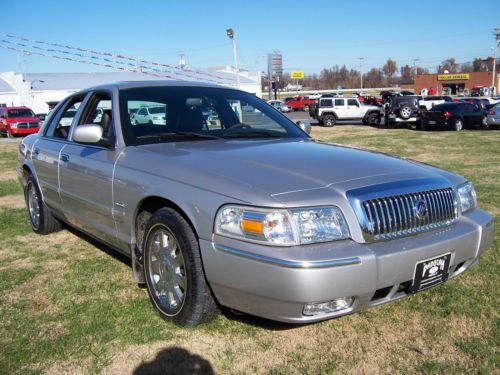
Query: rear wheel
458,125
329,120
42,220
173,270
373,119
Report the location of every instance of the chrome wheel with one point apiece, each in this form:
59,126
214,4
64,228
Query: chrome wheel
167,270
33,206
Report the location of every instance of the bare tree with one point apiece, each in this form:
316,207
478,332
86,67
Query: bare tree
406,73
390,69
448,65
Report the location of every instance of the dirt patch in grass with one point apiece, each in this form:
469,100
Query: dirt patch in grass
12,201
8,175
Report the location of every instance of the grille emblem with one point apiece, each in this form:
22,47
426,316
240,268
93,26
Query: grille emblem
420,208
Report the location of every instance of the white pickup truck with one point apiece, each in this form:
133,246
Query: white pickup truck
329,110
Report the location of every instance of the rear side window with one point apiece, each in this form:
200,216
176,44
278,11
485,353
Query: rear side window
326,103
352,102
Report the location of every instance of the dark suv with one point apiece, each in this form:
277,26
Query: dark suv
402,110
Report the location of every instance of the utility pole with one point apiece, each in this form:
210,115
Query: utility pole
497,42
182,61
361,71
230,34
415,67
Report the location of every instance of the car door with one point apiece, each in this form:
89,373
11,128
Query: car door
47,151
340,108
470,114
86,173
353,109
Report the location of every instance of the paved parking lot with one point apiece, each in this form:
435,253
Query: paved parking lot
304,116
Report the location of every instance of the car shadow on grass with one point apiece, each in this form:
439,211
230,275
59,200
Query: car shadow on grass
175,360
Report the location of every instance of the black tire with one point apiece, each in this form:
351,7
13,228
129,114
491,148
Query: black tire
373,119
405,112
329,120
458,124
484,123
43,222
365,121
197,304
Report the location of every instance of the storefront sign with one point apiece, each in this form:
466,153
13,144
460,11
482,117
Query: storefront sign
452,77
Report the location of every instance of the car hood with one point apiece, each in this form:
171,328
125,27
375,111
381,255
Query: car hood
23,119
279,166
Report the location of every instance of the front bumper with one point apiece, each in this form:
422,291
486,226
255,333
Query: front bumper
24,131
276,282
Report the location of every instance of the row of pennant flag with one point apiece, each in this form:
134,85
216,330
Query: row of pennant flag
107,60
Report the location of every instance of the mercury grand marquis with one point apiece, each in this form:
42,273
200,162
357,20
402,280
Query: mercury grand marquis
221,200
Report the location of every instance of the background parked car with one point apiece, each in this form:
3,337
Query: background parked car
280,105
402,110
493,117
455,115
300,103
18,121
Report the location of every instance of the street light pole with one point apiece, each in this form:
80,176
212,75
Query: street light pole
230,34
415,67
497,42
361,71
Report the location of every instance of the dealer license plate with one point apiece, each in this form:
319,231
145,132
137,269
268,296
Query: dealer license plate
431,272
432,122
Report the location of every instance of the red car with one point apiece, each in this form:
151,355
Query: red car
300,102
18,121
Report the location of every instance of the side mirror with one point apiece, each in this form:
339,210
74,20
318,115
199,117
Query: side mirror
89,133
305,126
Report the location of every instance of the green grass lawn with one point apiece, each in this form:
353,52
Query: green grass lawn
69,306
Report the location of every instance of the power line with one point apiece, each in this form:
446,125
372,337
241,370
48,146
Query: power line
106,59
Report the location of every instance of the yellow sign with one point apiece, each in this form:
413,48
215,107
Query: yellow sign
452,77
297,75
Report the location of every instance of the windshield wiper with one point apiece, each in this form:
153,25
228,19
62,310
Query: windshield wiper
178,135
252,134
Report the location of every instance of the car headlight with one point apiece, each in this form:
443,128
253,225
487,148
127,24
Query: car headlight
467,197
13,125
282,227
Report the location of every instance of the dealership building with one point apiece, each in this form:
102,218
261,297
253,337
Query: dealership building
42,91
461,83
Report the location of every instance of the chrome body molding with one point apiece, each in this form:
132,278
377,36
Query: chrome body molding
287,263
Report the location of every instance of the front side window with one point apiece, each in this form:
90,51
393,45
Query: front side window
339,102
326,103
163,114
61,121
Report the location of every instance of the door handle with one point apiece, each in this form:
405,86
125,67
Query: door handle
64,158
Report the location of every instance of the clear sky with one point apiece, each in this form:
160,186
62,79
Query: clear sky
311,35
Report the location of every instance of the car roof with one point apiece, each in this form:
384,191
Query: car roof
20,107
122,85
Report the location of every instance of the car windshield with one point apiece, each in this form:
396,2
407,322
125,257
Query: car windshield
199,113
13,113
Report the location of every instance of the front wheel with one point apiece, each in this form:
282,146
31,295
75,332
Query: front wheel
173,270
42,220
484,123
458,125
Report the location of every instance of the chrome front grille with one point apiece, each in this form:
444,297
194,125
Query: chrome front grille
399,216
27,125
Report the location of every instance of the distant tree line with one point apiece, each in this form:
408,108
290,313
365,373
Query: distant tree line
387,75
